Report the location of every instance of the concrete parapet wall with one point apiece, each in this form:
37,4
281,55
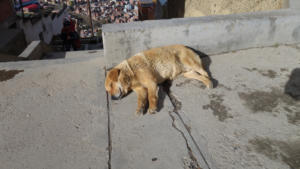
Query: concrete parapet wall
209,34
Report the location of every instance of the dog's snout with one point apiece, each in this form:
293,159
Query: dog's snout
115,98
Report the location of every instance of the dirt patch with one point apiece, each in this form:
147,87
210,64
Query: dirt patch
284,70
259,101
216,105
267,73
190,164
250,70
225,87
288,152
265,147
6,75
294,118
262,101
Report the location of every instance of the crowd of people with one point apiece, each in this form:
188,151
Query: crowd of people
102,11
110,11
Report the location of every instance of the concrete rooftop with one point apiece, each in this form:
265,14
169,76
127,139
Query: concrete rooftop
54,114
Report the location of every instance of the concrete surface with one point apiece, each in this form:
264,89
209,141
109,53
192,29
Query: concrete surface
149,141
247,121
53,114
210,34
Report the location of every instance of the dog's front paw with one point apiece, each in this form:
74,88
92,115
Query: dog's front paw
139,112
210,85
151,111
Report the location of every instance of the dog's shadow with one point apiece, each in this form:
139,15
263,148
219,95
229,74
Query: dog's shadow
162,93
206,61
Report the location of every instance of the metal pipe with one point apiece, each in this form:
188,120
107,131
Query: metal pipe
21,6
90,15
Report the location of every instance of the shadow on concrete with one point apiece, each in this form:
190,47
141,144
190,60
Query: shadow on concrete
175,8
56,55
161,96
292,87
206,61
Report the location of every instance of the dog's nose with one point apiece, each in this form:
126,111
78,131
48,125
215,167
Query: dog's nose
114,97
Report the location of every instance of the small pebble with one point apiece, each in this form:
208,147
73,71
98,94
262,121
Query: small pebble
154,159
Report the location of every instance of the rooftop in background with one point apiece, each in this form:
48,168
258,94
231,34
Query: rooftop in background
44,9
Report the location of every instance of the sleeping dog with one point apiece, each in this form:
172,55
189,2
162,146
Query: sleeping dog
144,71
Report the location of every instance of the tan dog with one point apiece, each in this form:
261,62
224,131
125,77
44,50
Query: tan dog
144,71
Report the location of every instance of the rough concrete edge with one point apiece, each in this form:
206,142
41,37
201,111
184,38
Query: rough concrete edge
140,25
25,64
119,31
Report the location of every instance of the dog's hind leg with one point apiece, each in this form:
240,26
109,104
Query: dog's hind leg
198,67
191,63
201,71
194,75
142,99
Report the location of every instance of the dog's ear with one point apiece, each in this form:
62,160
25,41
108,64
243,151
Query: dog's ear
113,74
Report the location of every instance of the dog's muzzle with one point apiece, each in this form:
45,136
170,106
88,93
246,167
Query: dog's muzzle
118,96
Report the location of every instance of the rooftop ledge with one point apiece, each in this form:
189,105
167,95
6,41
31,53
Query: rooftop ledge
198,20
209,34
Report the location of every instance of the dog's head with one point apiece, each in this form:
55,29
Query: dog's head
117,83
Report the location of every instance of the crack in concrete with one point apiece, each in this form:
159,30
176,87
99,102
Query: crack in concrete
108,127
177,107
194,163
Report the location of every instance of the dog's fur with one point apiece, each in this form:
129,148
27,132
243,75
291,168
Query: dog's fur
144,71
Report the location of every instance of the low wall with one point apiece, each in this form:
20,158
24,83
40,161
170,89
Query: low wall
43,29
209,34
